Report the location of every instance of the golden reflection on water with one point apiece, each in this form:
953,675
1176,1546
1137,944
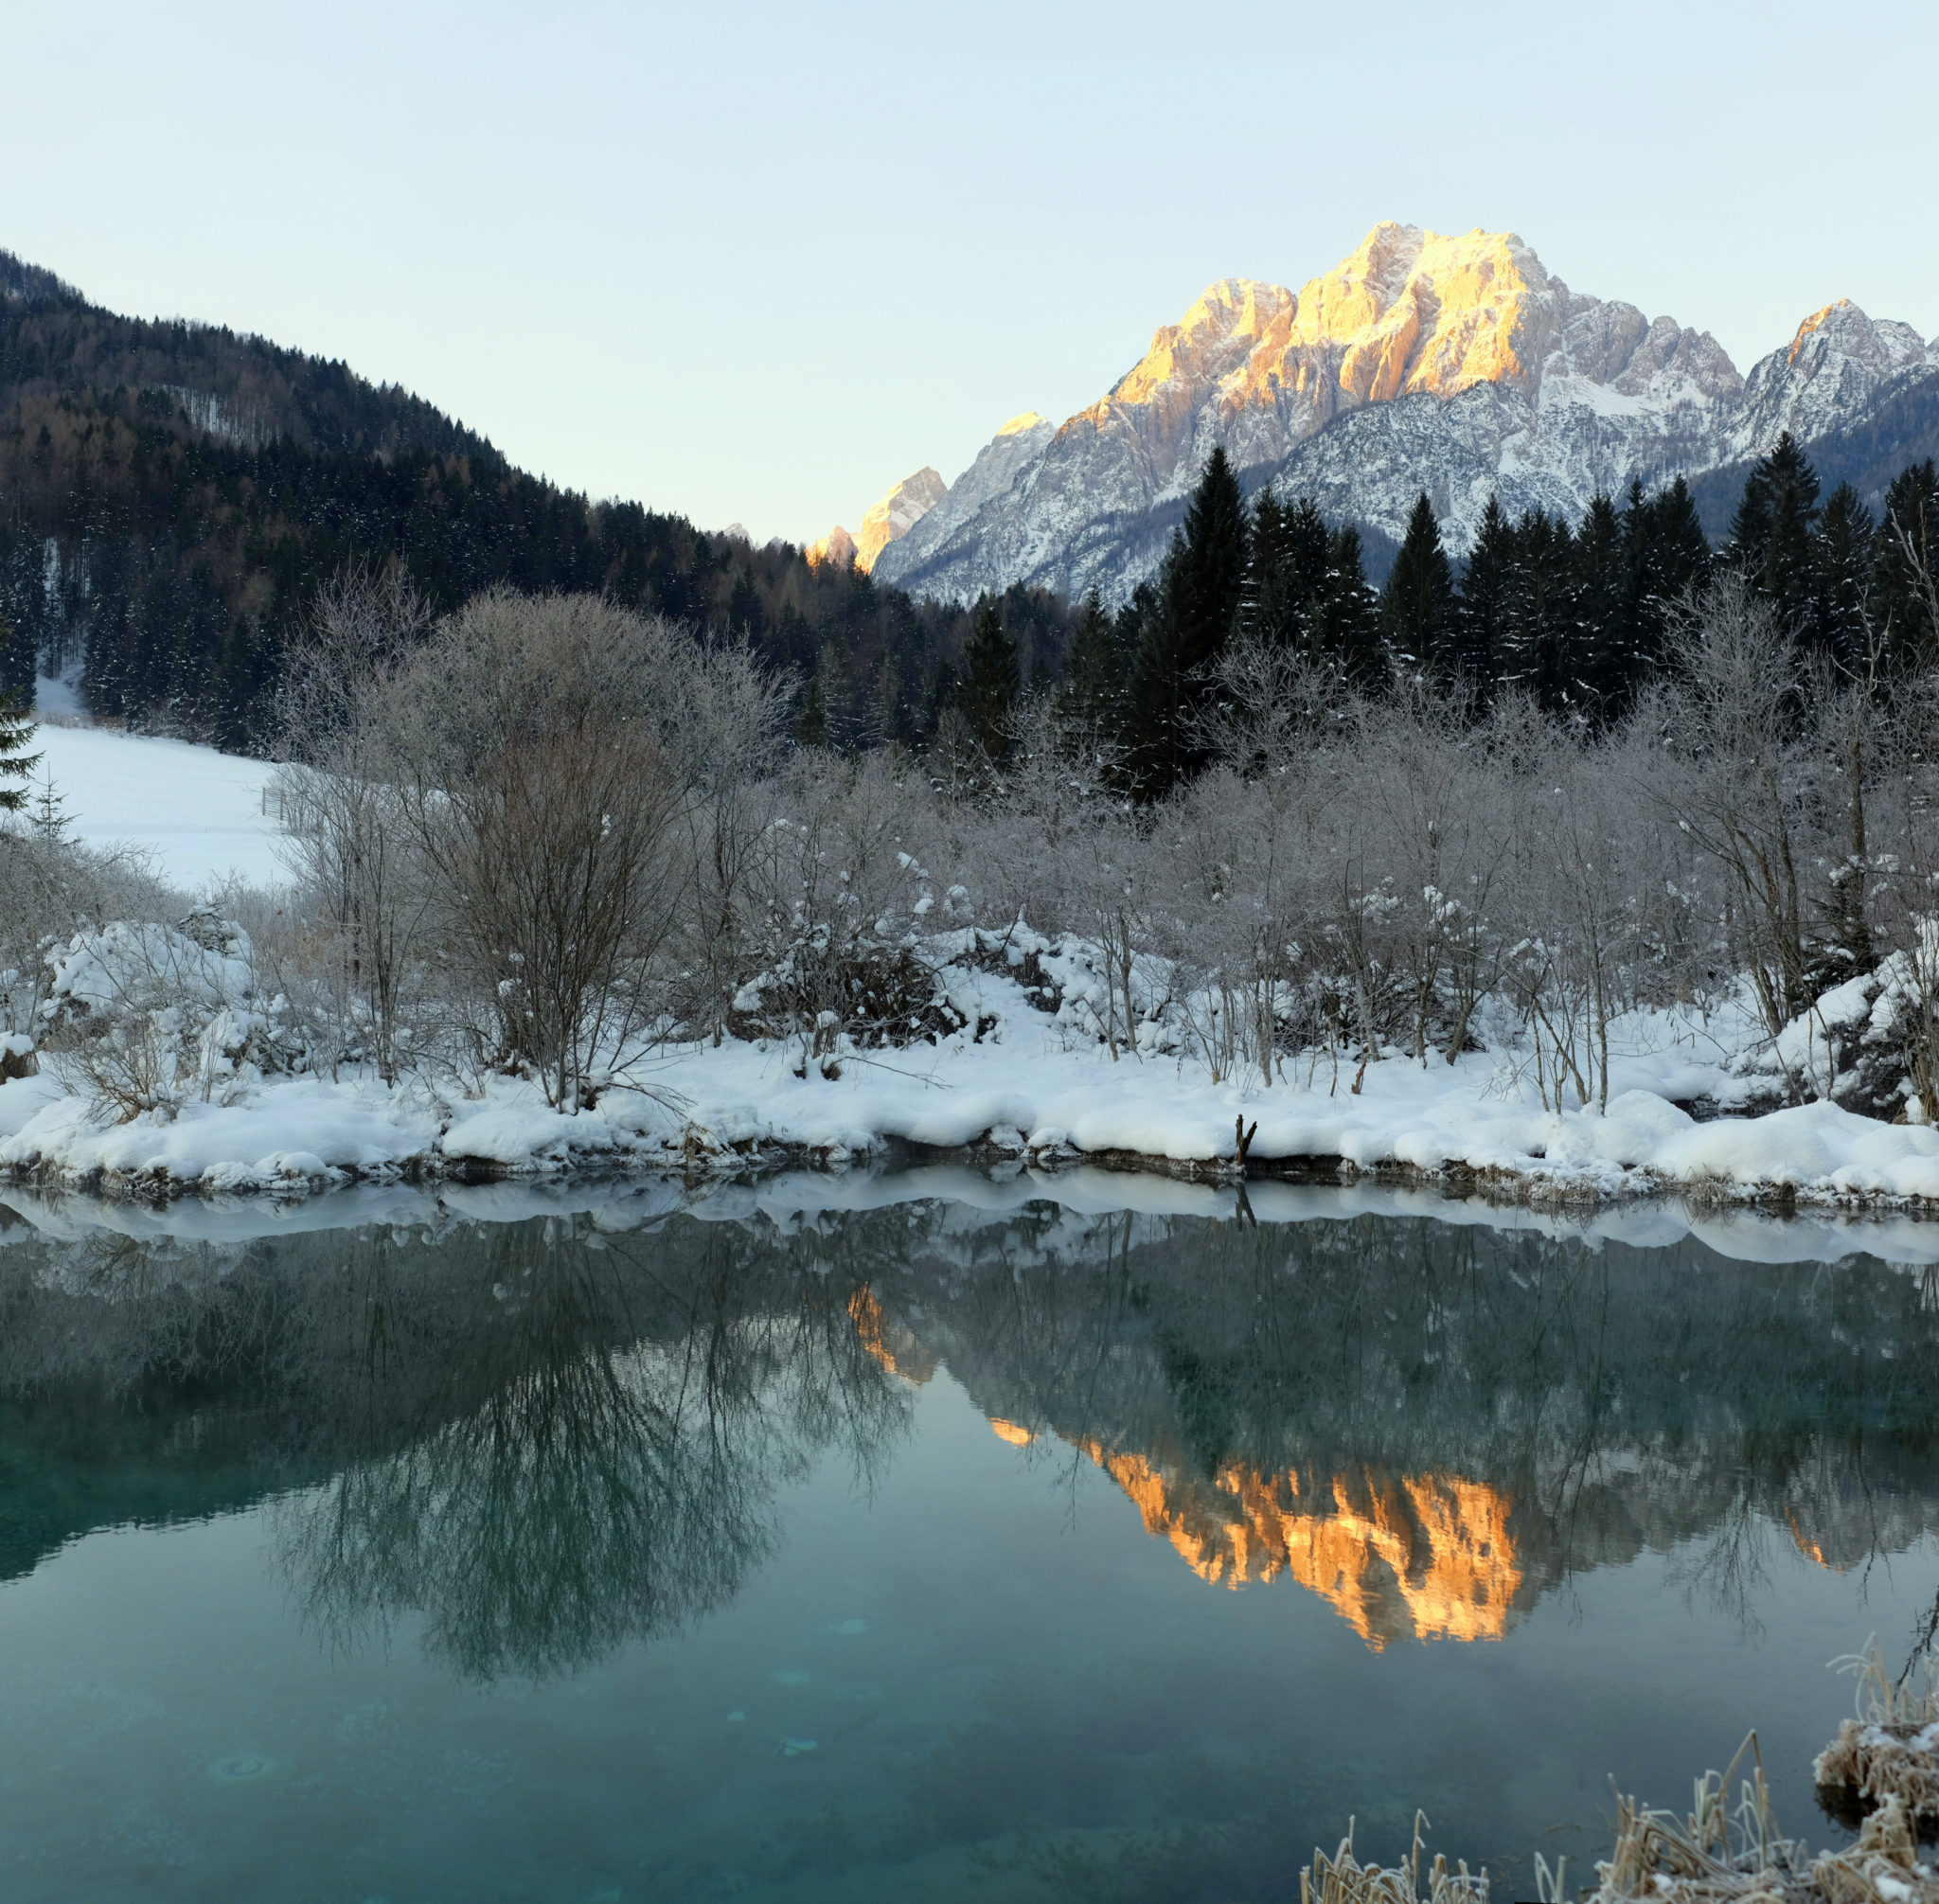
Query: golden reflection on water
887,1341
1410,1556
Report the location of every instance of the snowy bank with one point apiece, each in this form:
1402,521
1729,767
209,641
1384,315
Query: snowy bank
1019,1084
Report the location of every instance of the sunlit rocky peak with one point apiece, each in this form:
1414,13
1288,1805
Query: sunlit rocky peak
1457,366
897,514
837,546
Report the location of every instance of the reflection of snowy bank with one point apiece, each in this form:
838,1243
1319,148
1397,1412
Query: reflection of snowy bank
1029,1086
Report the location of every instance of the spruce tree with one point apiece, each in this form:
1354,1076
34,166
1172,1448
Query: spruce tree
1417,604
1287,583
1843,554
1539,616
1092,695
1602,643
811,718
17,654
1900,608
1350,615
1199,596
1480,613
1670,559
992,679
16,763
1771,534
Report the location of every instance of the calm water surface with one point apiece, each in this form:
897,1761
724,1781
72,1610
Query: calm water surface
923,1552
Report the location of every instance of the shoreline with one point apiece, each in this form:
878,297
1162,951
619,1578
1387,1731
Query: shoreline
1453,1179
788,1182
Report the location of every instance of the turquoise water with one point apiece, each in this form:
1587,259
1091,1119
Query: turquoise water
924,1551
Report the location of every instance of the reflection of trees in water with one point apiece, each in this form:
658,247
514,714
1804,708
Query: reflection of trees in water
542,1439
579,1483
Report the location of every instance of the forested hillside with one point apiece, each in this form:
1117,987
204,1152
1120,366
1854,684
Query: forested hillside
172,495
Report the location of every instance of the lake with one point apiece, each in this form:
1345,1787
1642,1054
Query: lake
925,1537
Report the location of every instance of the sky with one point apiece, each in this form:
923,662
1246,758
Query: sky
756,262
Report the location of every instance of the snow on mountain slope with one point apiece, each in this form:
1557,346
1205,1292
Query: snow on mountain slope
1837,366
200,813
1455,365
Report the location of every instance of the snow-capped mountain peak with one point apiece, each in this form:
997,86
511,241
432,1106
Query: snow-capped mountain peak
1454,364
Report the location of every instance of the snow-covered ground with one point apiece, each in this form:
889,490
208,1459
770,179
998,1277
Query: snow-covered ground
200,813
1028,1087
1036,1085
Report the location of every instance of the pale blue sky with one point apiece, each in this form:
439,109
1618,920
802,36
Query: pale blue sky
759,261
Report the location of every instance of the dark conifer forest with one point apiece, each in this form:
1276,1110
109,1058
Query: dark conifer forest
172,496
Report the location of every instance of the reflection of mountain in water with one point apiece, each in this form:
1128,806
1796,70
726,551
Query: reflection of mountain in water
1431,1428
1427,1556
543,1439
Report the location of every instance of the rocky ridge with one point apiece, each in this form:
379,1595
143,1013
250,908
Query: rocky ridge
1459,365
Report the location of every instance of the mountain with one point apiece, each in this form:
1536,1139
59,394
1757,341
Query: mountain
1457,366
891,519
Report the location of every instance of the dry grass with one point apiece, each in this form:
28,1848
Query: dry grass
1344,1880
1719,1852
1882,1867
1889,1753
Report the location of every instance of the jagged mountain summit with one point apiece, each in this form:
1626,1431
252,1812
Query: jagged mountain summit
1457,366
897,512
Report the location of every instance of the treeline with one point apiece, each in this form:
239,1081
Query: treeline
1577,619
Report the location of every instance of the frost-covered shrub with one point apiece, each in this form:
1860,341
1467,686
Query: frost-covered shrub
51,887
148,1017
865,996
837,909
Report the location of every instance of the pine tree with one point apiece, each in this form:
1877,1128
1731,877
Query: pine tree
1480,613
1417,604
1771,534
1199,594
16,763
1844,555
992,679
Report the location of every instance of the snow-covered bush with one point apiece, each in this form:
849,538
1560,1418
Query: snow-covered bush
520,836
1868,1044
147,1017
1357,875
